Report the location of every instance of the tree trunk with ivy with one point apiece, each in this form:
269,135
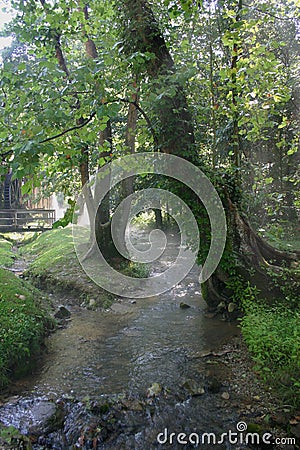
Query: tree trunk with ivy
249,264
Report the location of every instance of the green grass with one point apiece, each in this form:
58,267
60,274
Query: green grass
54,258
50,249
23,325
55,267
6,255
272,335
23,319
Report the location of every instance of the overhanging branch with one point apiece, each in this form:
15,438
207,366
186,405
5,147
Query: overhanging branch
93,114
75,127
89,119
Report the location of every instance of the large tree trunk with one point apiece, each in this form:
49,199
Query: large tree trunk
252,258
142,34
102,211
102,219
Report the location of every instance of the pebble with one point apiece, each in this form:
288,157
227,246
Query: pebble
225,395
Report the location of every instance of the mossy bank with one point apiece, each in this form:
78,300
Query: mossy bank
24,321
54,266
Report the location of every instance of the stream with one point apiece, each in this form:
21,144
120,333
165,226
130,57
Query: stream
114,379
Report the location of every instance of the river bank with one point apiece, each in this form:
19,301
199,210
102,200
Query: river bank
24,320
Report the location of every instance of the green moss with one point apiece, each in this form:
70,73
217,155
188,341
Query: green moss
55,266
204,291
11,438
272,334
51,249
23,325
6,255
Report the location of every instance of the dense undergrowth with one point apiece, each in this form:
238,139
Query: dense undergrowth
271,331
272,334
24,321
271,326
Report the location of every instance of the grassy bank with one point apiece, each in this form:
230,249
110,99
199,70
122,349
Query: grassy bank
55,267
6,255
272,335
23,320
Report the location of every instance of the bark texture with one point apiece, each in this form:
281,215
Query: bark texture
175,122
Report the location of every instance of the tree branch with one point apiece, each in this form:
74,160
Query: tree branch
124,100
5,154
90,118
76,127
93,114
268,13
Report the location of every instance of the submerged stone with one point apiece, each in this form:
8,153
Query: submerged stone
32,416
184,305
154,390
193,387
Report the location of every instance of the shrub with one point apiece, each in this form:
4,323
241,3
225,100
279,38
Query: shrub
272,335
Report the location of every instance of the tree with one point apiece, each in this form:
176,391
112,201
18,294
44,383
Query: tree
251,253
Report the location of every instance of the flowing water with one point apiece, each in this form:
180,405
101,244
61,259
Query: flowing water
124,351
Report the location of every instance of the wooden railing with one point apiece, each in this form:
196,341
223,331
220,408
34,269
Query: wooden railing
26,219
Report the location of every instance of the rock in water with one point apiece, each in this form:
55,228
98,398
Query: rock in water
62,313
92,303
184,305
154,390
35,416
231,307
225,396
193,387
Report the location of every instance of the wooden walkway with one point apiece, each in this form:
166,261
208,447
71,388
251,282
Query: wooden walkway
21,220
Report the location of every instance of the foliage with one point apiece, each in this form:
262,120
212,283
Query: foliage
136,270
10,438
68,216
244,295
282,235
40,101
272,335
23,325
288,281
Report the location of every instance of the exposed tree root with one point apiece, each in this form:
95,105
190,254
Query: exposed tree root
256,261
